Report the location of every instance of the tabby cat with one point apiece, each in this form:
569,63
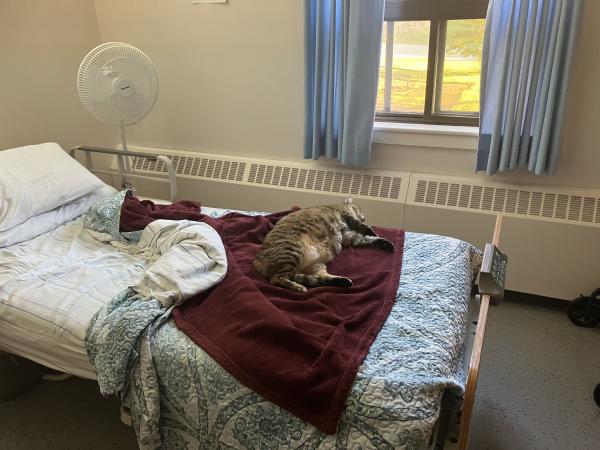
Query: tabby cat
296,250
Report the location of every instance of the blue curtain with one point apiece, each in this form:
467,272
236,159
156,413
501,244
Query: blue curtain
343,41
527,52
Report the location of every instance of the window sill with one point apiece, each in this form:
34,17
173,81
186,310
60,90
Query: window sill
426,135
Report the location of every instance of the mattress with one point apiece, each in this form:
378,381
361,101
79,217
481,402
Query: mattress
51,287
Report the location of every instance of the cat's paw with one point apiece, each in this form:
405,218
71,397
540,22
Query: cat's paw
367,230
384,245
299,288
341,282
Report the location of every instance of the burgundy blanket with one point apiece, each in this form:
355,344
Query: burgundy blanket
136,213
300,351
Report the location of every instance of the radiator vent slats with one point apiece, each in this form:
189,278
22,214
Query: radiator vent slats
488,196
476,195
587,214
335,181
465,193
196,167
535,206
320,180
431,192
396,188
511,201
496,199
570,206
421,189
442,194
499,199
574,207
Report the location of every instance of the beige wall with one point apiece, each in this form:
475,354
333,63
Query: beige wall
231,76
232,82
41,45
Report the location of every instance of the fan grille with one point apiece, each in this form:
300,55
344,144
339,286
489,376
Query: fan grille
101,68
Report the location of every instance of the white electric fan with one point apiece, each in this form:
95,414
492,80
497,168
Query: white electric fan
117,84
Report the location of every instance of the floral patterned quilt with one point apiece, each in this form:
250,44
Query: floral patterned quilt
181,398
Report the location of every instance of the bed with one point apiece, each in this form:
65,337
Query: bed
406,394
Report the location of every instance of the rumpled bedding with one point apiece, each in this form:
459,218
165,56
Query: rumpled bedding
181,398
137,214
183,258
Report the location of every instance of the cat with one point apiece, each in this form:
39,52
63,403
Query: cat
295,252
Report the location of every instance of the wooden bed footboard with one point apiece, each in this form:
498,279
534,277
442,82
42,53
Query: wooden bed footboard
473,373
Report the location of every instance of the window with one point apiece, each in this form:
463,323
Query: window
431,61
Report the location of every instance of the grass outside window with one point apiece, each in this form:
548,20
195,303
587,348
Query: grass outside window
430,71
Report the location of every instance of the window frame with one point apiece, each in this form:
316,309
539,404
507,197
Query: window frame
396,11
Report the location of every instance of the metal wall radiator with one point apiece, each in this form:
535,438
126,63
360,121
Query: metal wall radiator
552,234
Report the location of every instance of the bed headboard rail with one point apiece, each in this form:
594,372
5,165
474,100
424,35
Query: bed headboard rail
125,170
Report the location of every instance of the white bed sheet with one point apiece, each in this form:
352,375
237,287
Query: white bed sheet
51,287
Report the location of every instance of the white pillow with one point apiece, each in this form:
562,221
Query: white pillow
42,223
39,178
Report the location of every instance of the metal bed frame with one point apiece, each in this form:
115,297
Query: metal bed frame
456,410
125,171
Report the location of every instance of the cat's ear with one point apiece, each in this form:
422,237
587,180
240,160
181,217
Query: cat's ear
348,200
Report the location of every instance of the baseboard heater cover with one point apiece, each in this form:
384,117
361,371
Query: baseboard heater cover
476,195
388,186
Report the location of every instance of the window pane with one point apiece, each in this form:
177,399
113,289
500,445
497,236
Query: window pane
409,50
462,67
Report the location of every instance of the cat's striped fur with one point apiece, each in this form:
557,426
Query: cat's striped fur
295,252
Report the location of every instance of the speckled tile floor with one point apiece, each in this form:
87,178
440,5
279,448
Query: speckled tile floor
535,392
536,382
66,415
